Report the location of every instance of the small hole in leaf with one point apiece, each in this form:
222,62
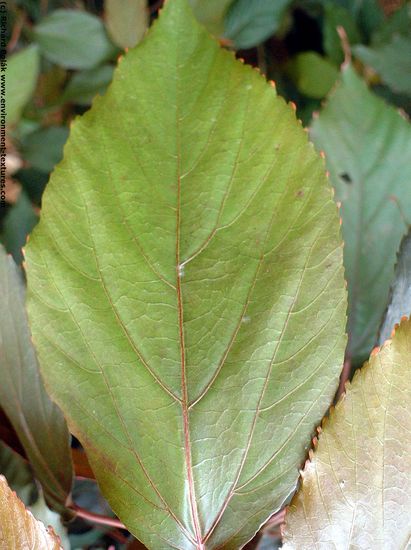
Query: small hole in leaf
346,177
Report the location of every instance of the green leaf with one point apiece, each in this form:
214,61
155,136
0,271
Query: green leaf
21,78
392,61
211,13
84,85
368,147
73,39
337,16
368,14
17,472
390,51
400,292
18,528
43,148
250,22
356,490
37,421
127,21
186,290
313,75
399,23
17,224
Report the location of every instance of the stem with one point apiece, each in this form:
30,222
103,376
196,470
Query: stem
97,518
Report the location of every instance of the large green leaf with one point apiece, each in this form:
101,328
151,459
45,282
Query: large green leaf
186,290
22,73
37,421
400,292
18,527
356,490
368,150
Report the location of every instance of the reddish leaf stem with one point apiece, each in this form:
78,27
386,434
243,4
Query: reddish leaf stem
97,518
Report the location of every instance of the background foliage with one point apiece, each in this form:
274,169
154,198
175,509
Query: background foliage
63,52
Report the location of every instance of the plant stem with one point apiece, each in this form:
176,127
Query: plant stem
97,518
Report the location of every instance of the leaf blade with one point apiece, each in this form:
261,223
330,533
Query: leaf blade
370,178
356,489
19,528
399,305
217,244
22,72
73,39
37,421
126,21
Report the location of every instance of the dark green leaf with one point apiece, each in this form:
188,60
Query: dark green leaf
186,290
17,472
84,85
398,24
392,61
73,39
400,293
43,149
38,423
250,22
337,16
368,147
18,223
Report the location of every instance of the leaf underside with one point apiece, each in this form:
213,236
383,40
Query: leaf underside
186,291
37,421
356,491
368,149
400,293
18,528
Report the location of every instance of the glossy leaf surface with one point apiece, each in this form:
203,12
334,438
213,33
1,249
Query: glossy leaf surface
186,290
18,527
356,491
368,149
37,421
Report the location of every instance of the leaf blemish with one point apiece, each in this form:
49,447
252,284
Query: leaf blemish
346,177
